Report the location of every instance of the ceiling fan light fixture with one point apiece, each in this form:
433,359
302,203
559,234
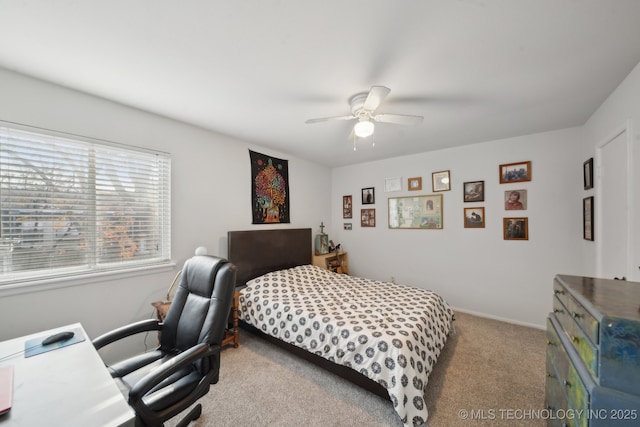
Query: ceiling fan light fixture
363,128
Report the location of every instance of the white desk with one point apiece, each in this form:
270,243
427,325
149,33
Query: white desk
67,386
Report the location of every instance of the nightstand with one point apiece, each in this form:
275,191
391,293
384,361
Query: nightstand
232,334
337,263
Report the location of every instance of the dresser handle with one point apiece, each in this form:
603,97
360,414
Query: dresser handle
549,342
575,339
558,291
577,315
557,310
550,375
566,383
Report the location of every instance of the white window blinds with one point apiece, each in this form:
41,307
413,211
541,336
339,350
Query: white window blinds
71,205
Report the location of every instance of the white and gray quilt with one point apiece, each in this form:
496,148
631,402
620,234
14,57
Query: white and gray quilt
392,334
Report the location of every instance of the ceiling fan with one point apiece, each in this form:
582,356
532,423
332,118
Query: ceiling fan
363,108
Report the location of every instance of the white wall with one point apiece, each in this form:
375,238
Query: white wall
621,108
474,269
210,195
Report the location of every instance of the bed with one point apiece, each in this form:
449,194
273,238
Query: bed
381,336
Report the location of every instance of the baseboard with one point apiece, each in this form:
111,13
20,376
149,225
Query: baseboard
501,319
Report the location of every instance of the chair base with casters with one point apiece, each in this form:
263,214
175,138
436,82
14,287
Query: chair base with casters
166,381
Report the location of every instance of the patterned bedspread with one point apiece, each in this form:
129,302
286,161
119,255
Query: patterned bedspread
391,333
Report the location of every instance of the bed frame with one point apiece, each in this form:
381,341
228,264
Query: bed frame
255,253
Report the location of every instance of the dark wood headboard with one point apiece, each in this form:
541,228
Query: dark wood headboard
256,252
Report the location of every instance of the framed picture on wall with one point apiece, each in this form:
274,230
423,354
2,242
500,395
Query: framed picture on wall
367,217
415,184
587,218
515,228
473,217
588,174
515,200
392,184
441,181
347,207
417,212
368,196
474,191
515,172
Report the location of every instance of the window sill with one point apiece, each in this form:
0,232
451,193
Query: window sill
84,279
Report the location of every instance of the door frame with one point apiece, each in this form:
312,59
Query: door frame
626,129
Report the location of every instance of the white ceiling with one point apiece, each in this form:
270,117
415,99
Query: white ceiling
477,70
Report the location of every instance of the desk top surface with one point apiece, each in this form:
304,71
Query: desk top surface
69,385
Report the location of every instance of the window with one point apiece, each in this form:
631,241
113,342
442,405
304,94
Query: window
71,206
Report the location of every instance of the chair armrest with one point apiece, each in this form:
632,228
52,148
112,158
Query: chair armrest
136,394
172,365
125,331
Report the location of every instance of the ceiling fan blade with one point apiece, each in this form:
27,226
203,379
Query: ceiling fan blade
398,119
327,119
376,95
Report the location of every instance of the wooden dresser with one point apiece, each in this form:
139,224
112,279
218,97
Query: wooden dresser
593,353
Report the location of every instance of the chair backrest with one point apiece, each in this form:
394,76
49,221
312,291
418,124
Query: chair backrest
200,308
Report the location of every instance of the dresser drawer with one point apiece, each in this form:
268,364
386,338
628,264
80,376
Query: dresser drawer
556,402
556,356
587,322
555,395
577,395
586,349
573,389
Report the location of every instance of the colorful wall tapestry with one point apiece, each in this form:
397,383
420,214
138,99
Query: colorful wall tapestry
269,189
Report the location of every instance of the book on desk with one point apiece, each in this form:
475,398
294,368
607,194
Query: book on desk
6,388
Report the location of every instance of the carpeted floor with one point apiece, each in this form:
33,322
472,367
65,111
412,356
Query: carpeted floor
490,373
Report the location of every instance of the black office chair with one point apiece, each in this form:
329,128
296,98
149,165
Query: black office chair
164,382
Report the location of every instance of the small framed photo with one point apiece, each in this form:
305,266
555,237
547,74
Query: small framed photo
474,191
588,174
515,228
515,200
441,181
367,217
587,218
347,226
473,217
414,184
515,172
368,196
392,184
347,207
